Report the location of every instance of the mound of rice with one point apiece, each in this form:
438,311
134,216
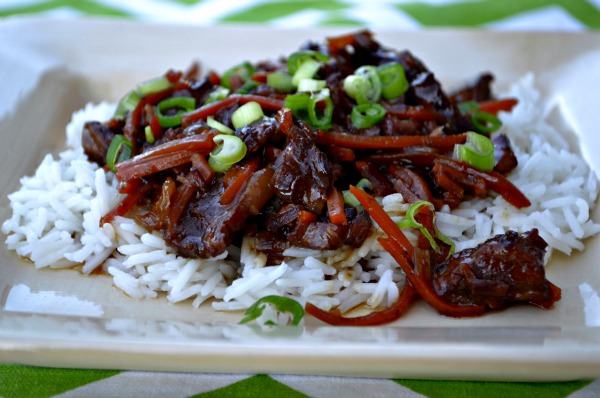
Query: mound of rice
56,213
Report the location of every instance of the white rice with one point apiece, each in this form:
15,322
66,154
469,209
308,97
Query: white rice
56,213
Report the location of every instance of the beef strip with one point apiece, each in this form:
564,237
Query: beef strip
302,171
207,227
506,269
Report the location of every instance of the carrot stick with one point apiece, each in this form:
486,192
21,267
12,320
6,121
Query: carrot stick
335,206
238,181
306,217
388,142
495,106
424,290
376,318
383,220
210,109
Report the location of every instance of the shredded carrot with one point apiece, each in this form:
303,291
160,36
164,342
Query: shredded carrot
199,162
388,142
135,192
383,219
306,217
495,106
424,289
373,319
335,206
210,109
239,180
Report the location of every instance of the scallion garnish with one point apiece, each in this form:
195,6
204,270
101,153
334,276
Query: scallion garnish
364,85
350,199
152,86
295,60
149,134
280,303
280,81
311,85
127,104
230,149
367,115
247,87
181,104
244,71
217,94
306,70
315,108
364,184
393,80
246,114
119,150
478,151
320,110
211,122
410,222
485,122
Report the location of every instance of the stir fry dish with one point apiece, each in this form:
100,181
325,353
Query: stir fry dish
297,152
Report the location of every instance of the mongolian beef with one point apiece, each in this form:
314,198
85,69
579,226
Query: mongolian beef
293,152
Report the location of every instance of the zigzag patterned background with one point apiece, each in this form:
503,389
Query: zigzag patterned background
566,15
572,15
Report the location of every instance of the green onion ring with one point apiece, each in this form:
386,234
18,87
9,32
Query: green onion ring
367,115
183,104
230,149
119,150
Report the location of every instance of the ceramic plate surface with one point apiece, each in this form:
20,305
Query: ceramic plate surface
49,69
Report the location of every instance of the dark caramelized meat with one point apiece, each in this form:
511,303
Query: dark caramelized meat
96,138
207,227
505,158
504,270
302,172
478,90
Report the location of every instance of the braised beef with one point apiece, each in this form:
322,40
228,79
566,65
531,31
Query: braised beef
505,158
95,139
506,269
207,227
302,171
478,90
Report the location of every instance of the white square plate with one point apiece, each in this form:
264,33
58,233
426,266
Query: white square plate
48,69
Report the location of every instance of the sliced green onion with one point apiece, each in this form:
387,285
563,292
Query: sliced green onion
230,149
245,70
410,222
485,122
316,108
152,86
281,304
393,80
217,94
350,199
364,184
211,122
311,85
247,87
367,115
478,151
306,70
468,107
298,58
127,104
280,81
298,103
246,114
182,104
149,134
319,116
119,150
364,85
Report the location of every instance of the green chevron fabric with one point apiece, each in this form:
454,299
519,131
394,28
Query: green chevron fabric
566,15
